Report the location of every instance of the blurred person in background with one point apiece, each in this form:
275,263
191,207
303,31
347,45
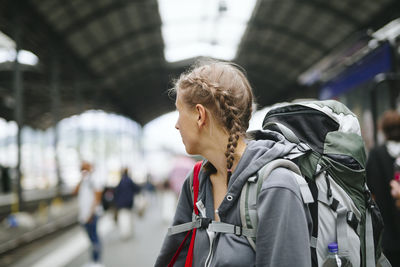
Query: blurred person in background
171,187
380,168
181,167
89,200
395,191
5,179
168,201
124,201
149,190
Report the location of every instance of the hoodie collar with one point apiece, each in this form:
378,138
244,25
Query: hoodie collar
268,146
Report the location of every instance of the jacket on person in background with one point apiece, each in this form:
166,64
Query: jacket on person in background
125,192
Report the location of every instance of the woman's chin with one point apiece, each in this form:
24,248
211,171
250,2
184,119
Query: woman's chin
190,150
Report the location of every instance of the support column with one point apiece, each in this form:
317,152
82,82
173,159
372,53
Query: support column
79,109
55,110
18,113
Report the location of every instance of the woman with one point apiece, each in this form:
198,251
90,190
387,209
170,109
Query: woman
380,174
214,101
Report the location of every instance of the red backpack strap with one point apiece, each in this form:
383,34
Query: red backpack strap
172,262
189,257
196,172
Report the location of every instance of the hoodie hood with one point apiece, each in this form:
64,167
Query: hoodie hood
262,147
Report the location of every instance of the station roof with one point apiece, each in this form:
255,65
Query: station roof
109,54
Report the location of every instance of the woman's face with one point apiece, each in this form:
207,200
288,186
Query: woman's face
187,125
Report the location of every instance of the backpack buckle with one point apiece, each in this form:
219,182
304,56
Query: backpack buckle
238,230
204,222
369,199
352,220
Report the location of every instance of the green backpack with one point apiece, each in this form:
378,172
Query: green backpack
330,157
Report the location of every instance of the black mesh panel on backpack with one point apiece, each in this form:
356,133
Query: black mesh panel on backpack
313,207
377,222
309,125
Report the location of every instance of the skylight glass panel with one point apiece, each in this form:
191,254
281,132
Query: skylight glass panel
213,28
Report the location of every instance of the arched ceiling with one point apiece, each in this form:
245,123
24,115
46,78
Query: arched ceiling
109,54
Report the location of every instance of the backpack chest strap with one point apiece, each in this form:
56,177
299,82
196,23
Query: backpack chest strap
213,226
197,222
184,227
226,228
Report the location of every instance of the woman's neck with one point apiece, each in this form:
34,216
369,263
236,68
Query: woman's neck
216,155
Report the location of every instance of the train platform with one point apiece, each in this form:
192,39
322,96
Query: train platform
71,247
20,228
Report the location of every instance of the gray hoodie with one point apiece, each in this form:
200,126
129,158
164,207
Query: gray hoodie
284,226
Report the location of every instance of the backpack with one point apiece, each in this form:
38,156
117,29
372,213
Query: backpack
331,158
107,198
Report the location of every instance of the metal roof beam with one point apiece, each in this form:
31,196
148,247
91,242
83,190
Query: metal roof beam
269,76
323,5
89,36
268,52
40,25
297,36
270,69
154,51
127,36
101,12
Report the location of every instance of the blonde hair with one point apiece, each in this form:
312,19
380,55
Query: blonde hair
221,87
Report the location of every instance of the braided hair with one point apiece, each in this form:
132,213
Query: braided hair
223,88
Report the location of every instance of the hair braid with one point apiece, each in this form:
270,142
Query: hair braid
230,150
234,129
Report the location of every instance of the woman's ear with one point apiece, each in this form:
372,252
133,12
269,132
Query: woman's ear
202,115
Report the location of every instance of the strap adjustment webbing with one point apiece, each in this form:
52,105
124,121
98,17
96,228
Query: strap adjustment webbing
184,227
304,189
221,227
197,222
353,221
369,241
341,230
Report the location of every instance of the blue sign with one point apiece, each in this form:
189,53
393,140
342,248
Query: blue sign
378,61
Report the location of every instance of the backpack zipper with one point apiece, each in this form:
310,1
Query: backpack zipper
297,112
311,111
211,235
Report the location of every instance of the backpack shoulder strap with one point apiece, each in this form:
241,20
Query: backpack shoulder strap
251,190
196,171
194,187
369,240
290,165
196,182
